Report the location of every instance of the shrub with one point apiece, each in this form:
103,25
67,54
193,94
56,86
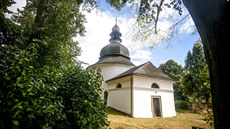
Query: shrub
83,106
181,104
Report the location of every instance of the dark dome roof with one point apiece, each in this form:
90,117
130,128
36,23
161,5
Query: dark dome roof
114,49
115,52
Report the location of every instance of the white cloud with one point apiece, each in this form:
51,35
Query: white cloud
142,54
98,27
139,57
169,23
19,4
138,62
188,27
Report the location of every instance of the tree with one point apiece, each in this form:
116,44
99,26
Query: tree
174,70
212,20
195,78
80,91
36,52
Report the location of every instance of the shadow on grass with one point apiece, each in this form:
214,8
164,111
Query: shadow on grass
113,111
183,111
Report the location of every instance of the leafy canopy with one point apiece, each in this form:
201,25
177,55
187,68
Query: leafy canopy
37,58
195,79
174,70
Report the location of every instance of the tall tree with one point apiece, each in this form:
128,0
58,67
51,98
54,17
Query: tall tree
195,79
174,70
37,51
212,20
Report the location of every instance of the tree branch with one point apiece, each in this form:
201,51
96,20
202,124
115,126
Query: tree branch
158,13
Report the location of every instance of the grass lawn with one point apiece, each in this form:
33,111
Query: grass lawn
183,120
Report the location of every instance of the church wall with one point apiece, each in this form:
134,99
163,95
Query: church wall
109,71
143,95
125,82
146,82
120,98
168,105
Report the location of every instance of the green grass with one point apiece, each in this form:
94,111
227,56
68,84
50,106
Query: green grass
183,120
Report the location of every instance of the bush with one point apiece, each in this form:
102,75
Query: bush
83,106
27,100
181,104
43,98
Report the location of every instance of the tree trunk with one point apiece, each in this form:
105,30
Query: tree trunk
212,19
39,19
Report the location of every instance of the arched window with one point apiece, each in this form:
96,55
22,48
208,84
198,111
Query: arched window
118,85
154,85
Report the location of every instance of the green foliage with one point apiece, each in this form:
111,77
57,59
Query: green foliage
58,23
149,10
80,91
174,70
118,4
195,79
27,101
37,55
4,4
181,105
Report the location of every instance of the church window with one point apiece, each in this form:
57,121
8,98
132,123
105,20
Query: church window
154,85
118,85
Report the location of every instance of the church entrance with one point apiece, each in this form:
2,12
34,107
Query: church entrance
156,106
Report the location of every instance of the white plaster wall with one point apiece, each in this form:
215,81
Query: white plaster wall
120,98
168,105
125,82
143,93
109,71
146,82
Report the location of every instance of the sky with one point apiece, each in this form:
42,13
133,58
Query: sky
99,26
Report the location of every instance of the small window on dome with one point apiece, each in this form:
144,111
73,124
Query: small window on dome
154,85
119,85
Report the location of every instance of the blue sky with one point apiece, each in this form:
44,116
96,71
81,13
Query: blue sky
100,22
176,50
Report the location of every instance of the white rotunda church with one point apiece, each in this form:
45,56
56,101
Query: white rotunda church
142,91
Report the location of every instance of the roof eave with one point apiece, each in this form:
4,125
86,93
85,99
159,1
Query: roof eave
138,74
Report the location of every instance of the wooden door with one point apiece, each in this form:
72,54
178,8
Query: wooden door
156,107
